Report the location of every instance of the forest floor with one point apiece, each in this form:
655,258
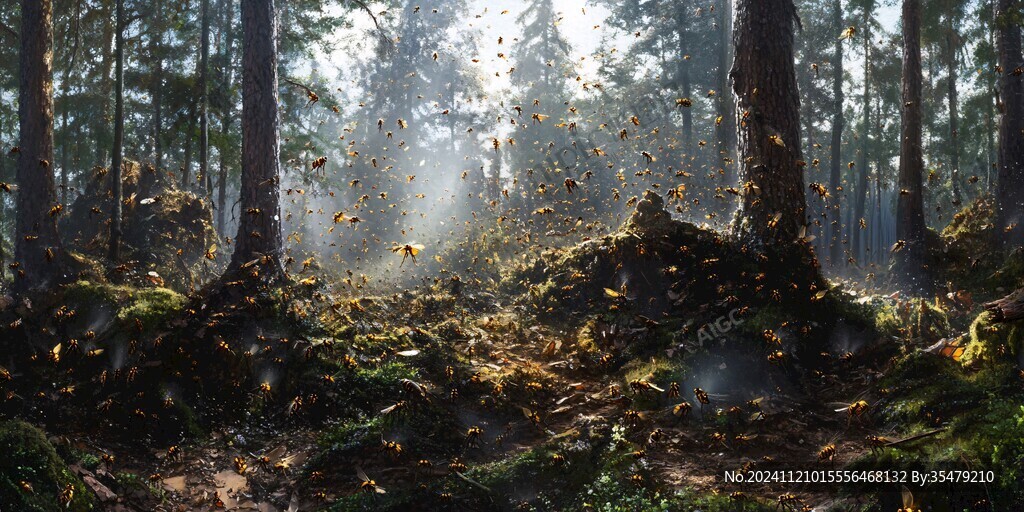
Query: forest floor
574,383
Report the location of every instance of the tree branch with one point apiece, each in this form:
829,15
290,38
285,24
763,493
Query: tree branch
8,30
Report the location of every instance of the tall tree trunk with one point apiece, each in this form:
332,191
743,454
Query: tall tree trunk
225,121
204,115
259,230
856,231
37,248
157,91
910,268
64,147
768,123
1010,178
114,252
726,131
3,204
186,170
835,217
100,128
685,84
954,118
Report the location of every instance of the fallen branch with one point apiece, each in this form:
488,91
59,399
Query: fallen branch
1009,308
914,438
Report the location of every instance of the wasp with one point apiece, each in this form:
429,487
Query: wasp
397,407
319,164
743,439
702,398
876,442
392,448
66,495
718,438
656,436
265,391
240,465
408,251
473,436
682,410
558,459
367,485
673,390
456,465
827,453
856,411
631,417
415,389
174,453
643,386
788,502
909,503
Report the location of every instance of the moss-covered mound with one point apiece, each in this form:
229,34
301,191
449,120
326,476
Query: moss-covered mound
965,254
166,230
33,478
658,264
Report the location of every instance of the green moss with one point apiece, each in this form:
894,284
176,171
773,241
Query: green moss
153,306
992,341
29,459
90,294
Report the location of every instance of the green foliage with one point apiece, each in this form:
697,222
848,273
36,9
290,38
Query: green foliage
30,459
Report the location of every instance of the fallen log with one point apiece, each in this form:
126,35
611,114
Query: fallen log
914,438
1009,308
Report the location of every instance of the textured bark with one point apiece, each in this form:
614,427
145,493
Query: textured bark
37,247
954,118
726,132
259,230
101,135
1010,176
768,123
856,232
114,252
685,83
186,170
835,217
157,90
204,99
228,9
1009,308
909,269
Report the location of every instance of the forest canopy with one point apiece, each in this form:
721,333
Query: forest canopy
514,255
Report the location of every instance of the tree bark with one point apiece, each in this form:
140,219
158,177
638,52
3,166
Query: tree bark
726,132
259,230
954,117
772,208
1009,308
856,232
910,268
225,121
37,246
835,217
685,83
114,252
1010,176
204,99
157,90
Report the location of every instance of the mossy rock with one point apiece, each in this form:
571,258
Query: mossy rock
991,341
166,230
30,462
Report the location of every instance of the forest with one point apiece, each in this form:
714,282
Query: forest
543,255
